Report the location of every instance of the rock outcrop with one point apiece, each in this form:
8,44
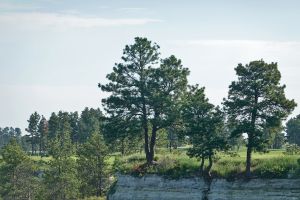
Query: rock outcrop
159,188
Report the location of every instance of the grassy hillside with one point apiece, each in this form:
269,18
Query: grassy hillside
274,164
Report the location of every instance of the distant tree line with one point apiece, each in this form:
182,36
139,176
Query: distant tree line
7,133
42,131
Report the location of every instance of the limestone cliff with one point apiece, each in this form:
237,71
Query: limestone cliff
159,188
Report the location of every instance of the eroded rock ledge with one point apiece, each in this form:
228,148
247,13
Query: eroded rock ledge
159,188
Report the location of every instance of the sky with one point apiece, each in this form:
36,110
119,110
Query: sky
53,53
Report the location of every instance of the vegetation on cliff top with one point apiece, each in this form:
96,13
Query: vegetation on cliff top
274,164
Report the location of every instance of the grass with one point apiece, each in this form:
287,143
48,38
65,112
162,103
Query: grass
274,164
43,162
175,164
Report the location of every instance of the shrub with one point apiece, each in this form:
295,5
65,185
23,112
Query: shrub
292,149
228,167
274,171
281,167
165,163
233,154
136,158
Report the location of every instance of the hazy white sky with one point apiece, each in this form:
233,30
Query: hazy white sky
53,52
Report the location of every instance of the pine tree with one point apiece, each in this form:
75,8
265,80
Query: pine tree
17,174
33,131
144,91
90,122
43,133
92,166
204,124
256,102
61,178
74,122
53,124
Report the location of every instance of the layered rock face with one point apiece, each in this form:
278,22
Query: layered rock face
159,188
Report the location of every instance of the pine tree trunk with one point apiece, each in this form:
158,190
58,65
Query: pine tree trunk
100,189
210,163
147,145
251,134
202,165
145,126
152,143
248,161
122,147
32,147
41,148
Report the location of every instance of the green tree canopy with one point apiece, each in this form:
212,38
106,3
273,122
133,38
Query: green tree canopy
204,124
33,130
53,124
90,121
7,133
61,179
92,166
145,92
256,102
17,173
122,136
43,135
293,130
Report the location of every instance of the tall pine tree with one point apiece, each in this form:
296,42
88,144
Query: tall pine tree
92,166
204,124
144,91
17,174
61,179
256,102
33,130
43,133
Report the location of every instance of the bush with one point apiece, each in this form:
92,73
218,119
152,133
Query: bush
273,172
165,163
282,167
136,158
228,167
233,154
292,149
178,167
